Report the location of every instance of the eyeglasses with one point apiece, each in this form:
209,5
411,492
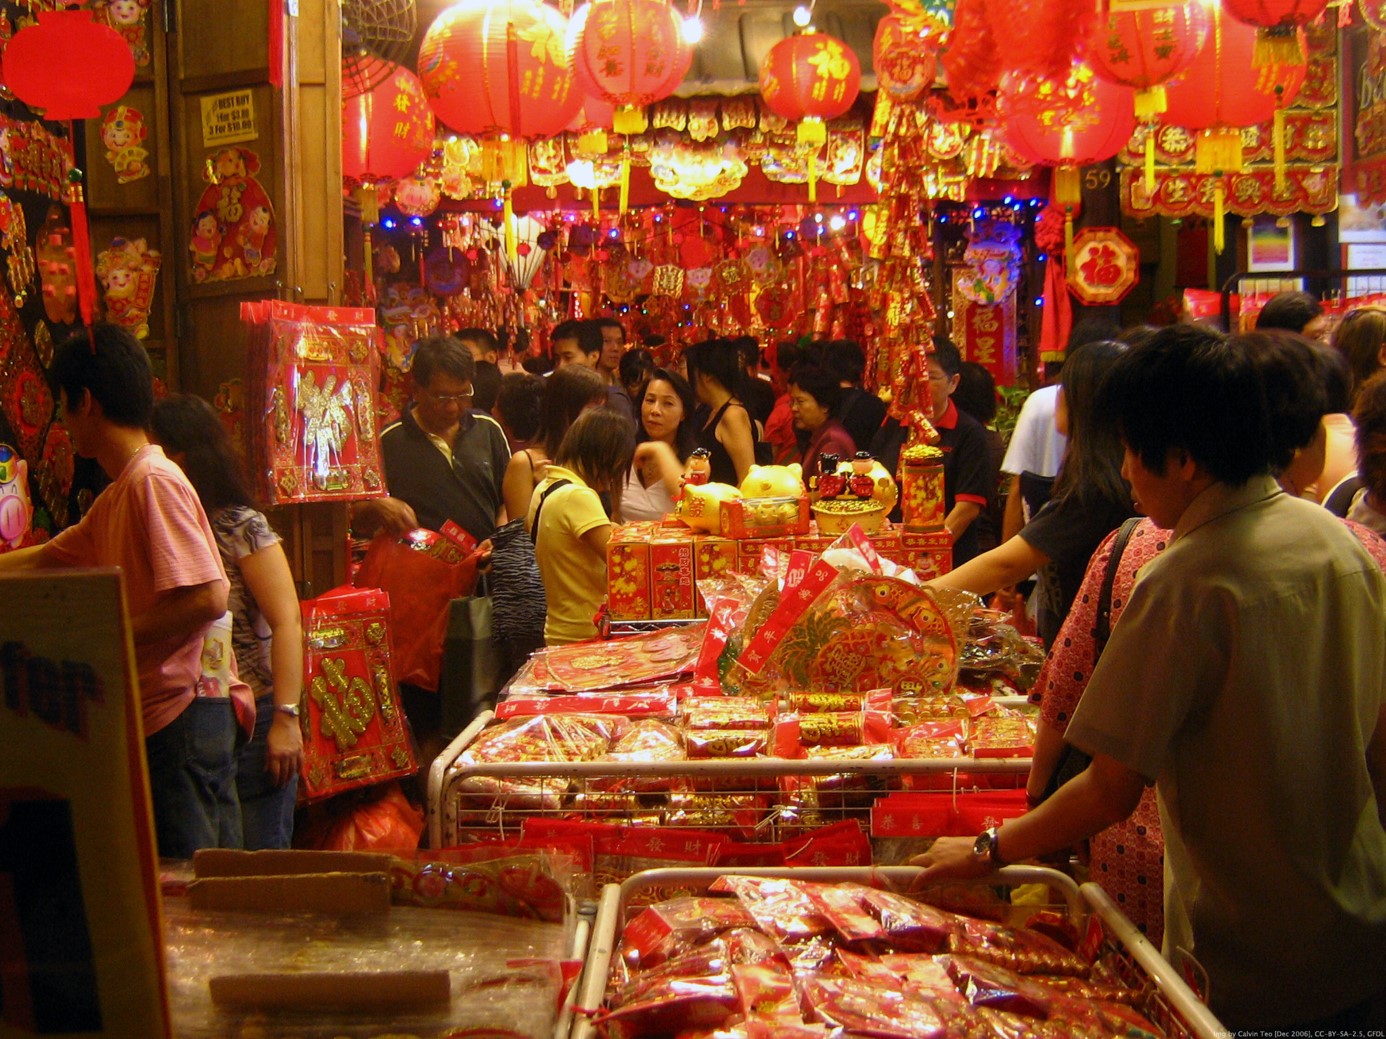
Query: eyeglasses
451,398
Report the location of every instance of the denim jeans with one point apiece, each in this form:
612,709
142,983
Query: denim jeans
192,779
267,811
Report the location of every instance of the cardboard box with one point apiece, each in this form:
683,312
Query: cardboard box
765,517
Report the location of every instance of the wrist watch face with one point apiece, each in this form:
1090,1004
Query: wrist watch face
985,845
291,709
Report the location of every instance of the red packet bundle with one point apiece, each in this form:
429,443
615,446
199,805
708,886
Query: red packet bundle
634,705
862,1008
912,709
841,844
741,815
987,984
310,397
647,741
907,925
931,740
1017,949
657,656
520,885
779,907
671,927
677,1003
1003,733
354,731
725,712
726,743
842,906
923,975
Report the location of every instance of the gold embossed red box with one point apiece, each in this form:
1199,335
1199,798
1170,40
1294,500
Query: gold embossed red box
749,552
765,517
628,571
354,731
672,593
652,570
928,555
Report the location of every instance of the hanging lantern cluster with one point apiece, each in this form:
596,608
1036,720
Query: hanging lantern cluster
388,130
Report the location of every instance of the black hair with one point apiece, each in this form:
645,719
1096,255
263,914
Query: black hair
1292,380
571,389
611,322
685,437
587,335
1369,415
1189,389
537,364
1335,376
846,359
749,349
1290,311
442,353
1093,328
482,336
113,367
486,385
820,384
1135,335
976,392
182,422
718,359
519,403
635,365
1091,469
598,447
945,352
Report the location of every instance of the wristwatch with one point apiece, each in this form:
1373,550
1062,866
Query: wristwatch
988,846
291,709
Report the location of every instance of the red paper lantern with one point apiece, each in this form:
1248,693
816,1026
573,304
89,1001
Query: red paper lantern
387,131
68,65
1144,48
629,53
903,58
1220,88
810,77
498,66
1071,122
1277,23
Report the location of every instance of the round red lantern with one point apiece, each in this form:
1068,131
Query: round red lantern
629,53
498,66
68,65
1277,23
810,77
388,130
1144,48
1075,121
1221,88
903,58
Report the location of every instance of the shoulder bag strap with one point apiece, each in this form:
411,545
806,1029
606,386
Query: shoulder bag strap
1103,630
534,528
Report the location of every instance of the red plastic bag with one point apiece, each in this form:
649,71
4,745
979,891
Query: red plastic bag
384,823
415,571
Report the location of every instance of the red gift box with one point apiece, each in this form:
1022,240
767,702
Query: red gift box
354,731
765,517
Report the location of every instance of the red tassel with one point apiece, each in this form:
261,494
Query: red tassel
81,242
276,43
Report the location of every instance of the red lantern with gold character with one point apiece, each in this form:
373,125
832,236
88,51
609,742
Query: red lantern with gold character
629,53
1277,23
387,131
1075,121
498,66
810,77
1144,48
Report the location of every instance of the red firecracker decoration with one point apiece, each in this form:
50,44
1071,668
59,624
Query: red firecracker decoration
629,53
387,131
810,77
903,58
1144,48
498,66
970,61
1278,23
67,65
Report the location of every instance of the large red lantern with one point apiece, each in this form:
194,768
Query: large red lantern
1144,48
629,53
498,66
68,65
1278,23
388,130
810,77
1073,122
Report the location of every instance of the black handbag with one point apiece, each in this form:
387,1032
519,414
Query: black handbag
471,675
1073,761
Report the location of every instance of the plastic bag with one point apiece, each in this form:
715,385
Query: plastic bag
387,822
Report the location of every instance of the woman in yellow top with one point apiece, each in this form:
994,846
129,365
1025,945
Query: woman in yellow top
569,526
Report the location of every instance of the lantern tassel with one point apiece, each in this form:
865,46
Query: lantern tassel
1068,186
1219,223
1278,45
81,251
629,119
369,264
1278,140
812,131
596,203
508,216
1068,236
813,176
1150,161
625,179
1218,150
1151,102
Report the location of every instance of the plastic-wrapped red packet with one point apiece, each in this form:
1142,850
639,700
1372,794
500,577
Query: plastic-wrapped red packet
725,616
780,1028
766,990
1002,733
740,814
662,704
663,930
923,974
986,984
726,743
685,1003
862,1008
748,945
1082,988
867,968
778,906
708,960
910,926
646,741
1026,952
725,712
844,907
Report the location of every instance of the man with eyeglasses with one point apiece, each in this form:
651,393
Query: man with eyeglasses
442,460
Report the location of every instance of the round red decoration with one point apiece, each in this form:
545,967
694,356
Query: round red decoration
970,60
1074,122
387,131
810,76
629,53
1144,48
1106,265
1275,14
903,58
499,66
68,65
1221,88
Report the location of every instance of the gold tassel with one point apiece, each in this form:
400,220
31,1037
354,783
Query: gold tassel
1068,236
1219,223
813,176
1278,139
508,216
596,203
370,263
1218,150
1068,186
1278,45
625,179
629,119
592,143
1150,160
1150,102
812,131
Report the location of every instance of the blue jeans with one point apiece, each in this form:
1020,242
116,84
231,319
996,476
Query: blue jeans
267,811
192,779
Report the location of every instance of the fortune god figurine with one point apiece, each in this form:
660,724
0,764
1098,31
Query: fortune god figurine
830,482
698,469
867,478
773,481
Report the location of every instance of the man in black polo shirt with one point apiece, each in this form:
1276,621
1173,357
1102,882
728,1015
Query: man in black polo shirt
442,461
